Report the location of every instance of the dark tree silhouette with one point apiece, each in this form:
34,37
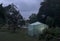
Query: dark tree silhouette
2,14
50,8
13,16
33,18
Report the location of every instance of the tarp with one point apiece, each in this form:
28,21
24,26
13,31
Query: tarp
36,28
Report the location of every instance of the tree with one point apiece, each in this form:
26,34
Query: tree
33,18
2,14
50,8
12,10
12,15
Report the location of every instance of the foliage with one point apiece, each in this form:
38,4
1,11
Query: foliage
2,15
50,8
33,18
8,12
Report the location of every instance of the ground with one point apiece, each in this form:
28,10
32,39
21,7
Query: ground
6,36
20,35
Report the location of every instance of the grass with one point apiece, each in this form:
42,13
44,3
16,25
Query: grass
6,35
20,35
56,32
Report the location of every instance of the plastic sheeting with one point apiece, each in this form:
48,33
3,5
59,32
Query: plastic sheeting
36,28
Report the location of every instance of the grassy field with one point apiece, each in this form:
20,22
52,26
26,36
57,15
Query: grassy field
5,36
21,35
